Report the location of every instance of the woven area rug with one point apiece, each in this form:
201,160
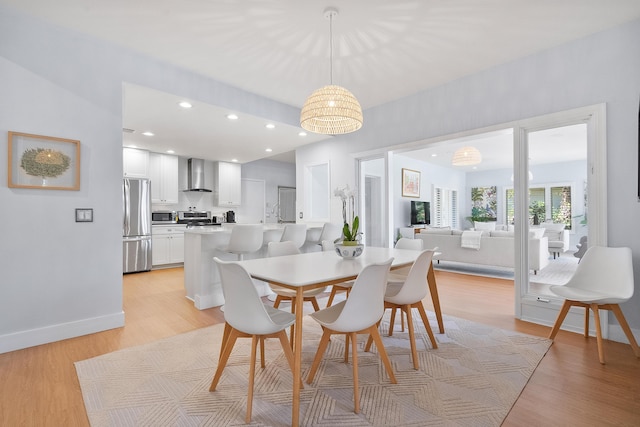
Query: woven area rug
472,379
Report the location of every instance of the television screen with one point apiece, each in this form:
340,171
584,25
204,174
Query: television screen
420,213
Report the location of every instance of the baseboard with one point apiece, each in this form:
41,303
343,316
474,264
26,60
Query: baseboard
617,334
61,331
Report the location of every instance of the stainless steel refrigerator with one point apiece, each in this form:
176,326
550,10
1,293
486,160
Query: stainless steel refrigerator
136,225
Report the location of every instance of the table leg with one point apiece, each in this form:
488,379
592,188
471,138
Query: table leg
297,360
431,280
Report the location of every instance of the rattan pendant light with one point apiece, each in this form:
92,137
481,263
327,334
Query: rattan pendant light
332,109
466,156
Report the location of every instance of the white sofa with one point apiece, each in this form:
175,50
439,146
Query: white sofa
558,237
496,248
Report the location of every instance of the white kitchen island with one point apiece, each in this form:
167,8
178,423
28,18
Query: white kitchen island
201,278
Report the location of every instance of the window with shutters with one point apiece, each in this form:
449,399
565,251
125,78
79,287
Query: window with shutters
445,211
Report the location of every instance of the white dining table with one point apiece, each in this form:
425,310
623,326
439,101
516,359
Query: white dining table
315,270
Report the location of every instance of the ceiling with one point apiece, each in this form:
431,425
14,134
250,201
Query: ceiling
279,49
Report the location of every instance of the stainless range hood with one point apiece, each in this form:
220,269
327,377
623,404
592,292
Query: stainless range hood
195,176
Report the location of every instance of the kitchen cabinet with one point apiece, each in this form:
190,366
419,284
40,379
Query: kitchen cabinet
163,171
167,244
135,163
228,184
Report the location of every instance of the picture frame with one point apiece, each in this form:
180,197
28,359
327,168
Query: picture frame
43,162
410,183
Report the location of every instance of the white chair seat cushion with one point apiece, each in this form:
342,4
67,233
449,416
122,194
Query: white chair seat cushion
584,295
286,292
556,244
329,315
280,318
396,278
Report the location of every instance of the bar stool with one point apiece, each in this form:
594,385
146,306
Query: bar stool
296,233
245,239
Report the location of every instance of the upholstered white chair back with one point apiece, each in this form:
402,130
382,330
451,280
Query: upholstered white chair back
282,248
330,232
405,243
365,305
296,233
244,309
605,271
245,238
415,286
328,245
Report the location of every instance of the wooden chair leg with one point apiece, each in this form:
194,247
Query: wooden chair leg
252,372
346,348
586,322
367,347
331,296
314,302
262,352
625,327
224,357
401,321
392,321
277,302
596,318
324,341
412,338
427,326
288,353
375,335
561,315
225,338
356,394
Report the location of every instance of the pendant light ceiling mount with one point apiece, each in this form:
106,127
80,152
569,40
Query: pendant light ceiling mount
331,110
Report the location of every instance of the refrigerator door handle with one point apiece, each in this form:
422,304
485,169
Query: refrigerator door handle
125,207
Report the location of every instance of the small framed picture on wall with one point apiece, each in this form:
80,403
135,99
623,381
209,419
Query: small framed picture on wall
410,183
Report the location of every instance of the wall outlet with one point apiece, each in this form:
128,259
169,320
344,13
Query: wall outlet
300,215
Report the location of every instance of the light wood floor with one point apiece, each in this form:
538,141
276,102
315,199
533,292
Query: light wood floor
39,387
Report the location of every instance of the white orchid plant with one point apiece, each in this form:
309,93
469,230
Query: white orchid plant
350,230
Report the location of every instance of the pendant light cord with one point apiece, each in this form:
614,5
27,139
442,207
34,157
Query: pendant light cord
331,49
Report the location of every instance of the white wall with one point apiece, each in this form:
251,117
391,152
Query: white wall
275,174
62,279
600,68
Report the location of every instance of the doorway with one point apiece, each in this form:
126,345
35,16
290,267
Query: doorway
252,209
373,201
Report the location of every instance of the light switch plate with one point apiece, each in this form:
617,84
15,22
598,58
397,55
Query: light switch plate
84,215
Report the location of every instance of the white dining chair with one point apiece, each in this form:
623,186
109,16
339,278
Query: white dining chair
329,246
245,239
408,295
602,281
246,316
284,294
358,314
296,233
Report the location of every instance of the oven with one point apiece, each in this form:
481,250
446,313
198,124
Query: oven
197,219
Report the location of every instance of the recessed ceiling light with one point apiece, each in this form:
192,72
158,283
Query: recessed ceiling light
132,146
170,151
268,150
185,104
434,155
234,160
147,133
302,133
232,117
270,126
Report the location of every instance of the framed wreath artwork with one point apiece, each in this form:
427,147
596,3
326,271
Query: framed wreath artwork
43,162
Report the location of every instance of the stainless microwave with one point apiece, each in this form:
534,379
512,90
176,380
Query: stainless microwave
164,217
